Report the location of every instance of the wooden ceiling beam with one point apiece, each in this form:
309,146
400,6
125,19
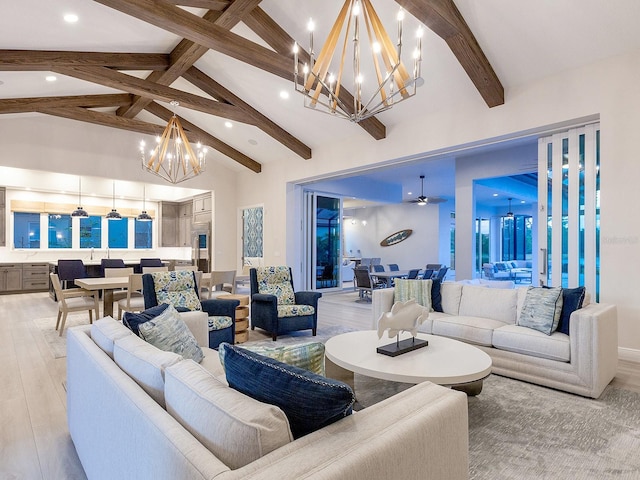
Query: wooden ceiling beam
213,88
168,17
208,4
187,52
446,21
23,105
121,81
278,39
193,131
40,60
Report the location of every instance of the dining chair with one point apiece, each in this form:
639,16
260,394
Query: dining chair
413,273
119,272
378,268
69,270
394,267
220,282
133,300
155,269
111,263
428,273
442,273
189,268
365,284
73,300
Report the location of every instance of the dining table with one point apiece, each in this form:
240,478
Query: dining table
107,285
388,276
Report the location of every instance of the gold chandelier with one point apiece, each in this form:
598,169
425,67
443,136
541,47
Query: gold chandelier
173,159
320,81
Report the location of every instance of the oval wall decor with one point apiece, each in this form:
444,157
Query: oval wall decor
396,237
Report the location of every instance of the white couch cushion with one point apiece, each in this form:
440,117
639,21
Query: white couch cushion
476,330
106,331
144,363
527,341
451,293
494,303
234,427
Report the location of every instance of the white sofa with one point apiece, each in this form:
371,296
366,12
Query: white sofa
583,362
120,430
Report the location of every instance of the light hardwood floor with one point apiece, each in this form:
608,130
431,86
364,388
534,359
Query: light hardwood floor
34,440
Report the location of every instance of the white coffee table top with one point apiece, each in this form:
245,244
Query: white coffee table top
444,361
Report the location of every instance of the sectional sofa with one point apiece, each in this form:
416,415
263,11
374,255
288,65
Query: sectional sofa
138,412
582,362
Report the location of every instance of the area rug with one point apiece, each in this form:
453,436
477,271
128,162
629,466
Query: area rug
57,344
522,431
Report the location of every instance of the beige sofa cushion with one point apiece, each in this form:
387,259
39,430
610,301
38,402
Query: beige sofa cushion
494,303
106,331
475,330
514,338
451,293
145,364
234,427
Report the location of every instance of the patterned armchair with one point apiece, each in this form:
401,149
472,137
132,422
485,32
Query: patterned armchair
275,307
179,289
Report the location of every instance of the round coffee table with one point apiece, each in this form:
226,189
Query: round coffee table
444,361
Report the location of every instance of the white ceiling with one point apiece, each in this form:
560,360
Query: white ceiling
522,40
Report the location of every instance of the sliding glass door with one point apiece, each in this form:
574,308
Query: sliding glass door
323,241
569,206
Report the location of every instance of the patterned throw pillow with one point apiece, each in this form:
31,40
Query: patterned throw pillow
420,290
309,355
309,401
168,332
276,281
177,288
541,309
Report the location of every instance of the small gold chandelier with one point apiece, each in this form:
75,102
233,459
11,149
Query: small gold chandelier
173,158
320,81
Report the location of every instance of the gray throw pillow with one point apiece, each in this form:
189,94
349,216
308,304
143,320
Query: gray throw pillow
168,332
541,309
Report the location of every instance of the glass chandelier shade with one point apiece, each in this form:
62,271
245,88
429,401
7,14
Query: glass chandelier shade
173,159
389,83
79,212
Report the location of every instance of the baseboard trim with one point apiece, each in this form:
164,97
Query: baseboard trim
629,354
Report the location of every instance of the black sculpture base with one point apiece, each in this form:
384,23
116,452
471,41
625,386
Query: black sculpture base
398,348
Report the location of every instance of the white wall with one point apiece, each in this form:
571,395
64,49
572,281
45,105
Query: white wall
608,89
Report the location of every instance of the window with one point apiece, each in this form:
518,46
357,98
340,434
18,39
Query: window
59,231
26,230
143,234
517,237
91,232
118,233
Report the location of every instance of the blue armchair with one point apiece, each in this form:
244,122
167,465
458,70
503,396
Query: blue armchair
180,290
275,307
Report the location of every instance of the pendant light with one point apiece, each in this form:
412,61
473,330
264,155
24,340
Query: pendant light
144,216
79,212
510,212
113,214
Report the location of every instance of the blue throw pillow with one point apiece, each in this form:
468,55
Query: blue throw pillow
309,401
572,299
436,296
133,320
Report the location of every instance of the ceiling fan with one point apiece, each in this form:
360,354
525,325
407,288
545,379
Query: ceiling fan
422,200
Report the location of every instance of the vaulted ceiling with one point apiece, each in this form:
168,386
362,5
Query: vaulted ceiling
207,28
227,61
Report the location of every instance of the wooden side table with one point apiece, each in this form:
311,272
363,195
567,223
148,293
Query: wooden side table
242,316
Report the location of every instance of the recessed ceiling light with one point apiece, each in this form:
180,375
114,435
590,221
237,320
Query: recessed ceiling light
50,78
409,193
252,141
70,17
495,194
1,82
284,94
228,124
522,201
